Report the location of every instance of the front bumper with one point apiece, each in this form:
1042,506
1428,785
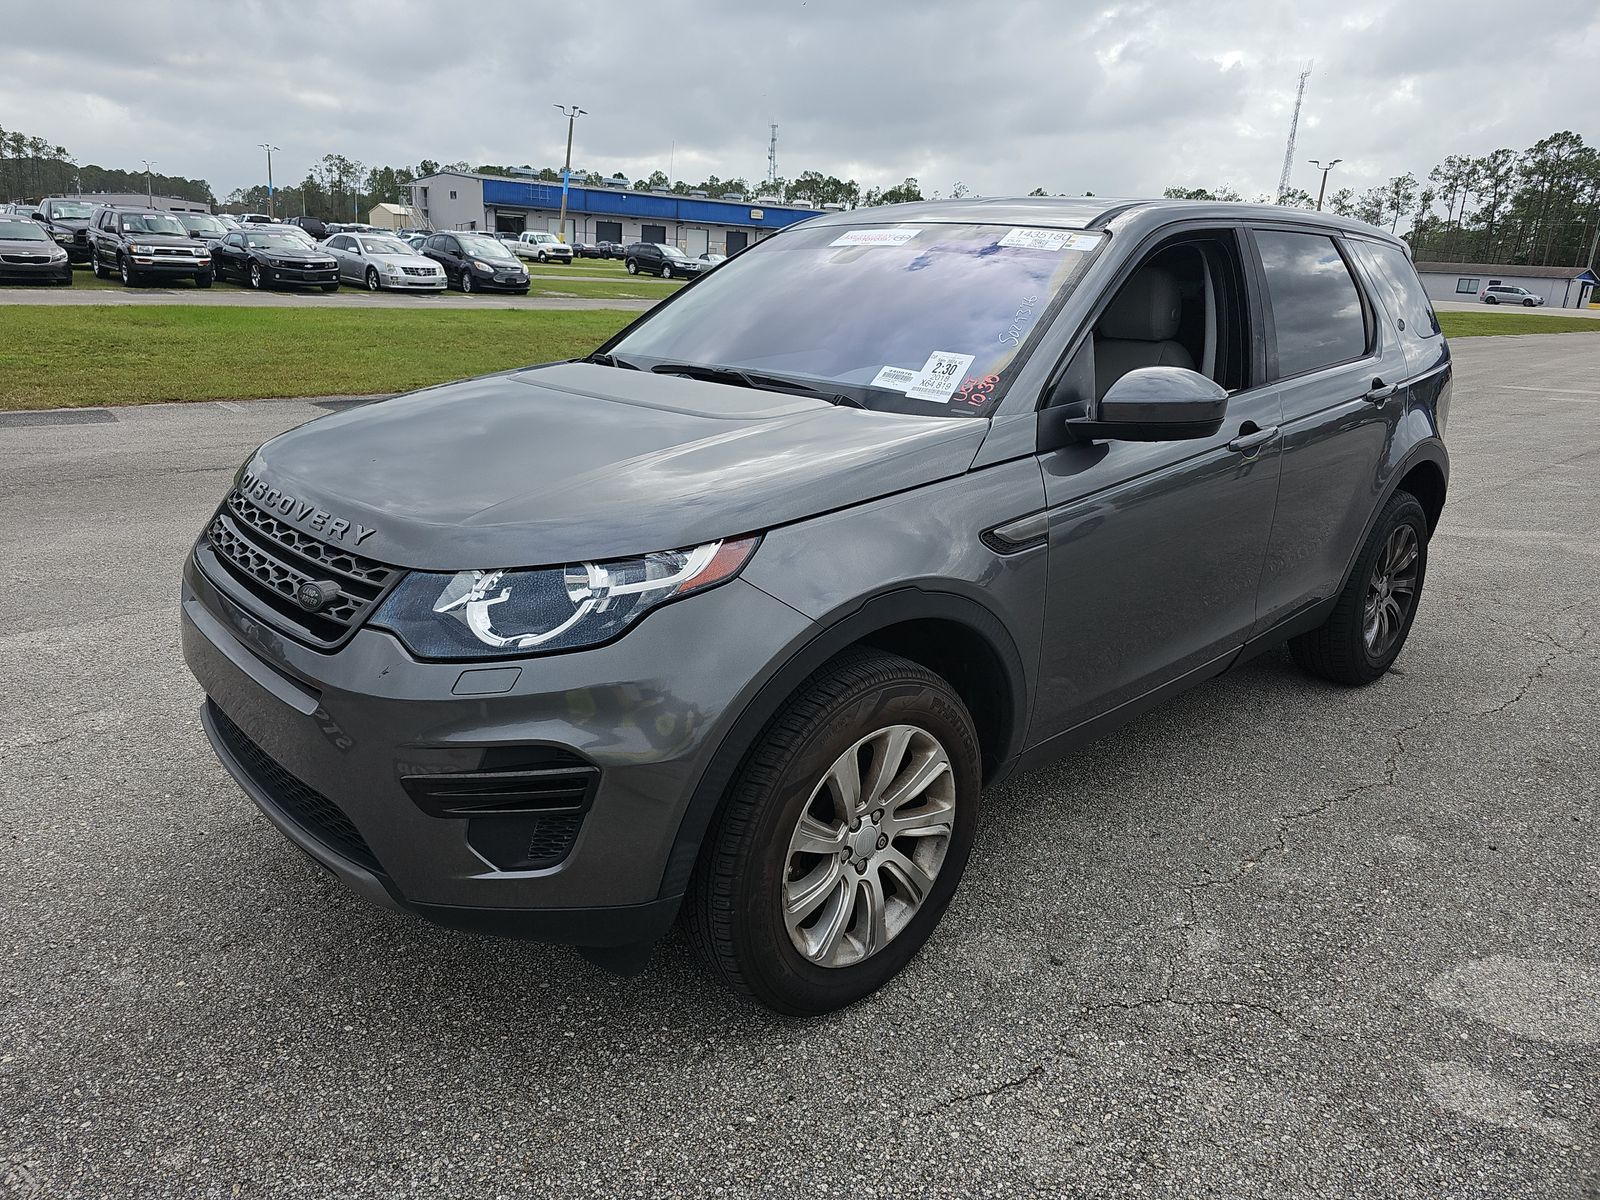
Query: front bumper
162,264
273,274
347,726
57,272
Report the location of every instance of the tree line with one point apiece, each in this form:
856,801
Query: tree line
1536,206
31,168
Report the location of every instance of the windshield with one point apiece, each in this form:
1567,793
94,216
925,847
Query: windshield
542,237
70,211
485,247
152,223
671,251
21,231
924,319
200,223
273,241
374,245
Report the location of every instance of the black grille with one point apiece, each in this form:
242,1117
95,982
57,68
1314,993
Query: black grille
551,840
307,807
270,559
31,259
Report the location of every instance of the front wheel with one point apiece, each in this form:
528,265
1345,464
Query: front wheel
330,287
466,279
373,284
541,256
666,272
258,277
203,279
1364,634
842,838
633,267
1529,304
126,272
97,266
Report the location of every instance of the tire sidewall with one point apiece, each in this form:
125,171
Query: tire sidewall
777,972
1402,509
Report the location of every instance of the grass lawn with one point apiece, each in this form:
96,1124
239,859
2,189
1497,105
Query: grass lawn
607,285
94,354
1490,323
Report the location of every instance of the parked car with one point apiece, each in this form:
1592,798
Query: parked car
258,219
379,262
713,259
264,257
139,244
202,227
232,222
610,250
418,240
584,250
318,230
28,254
741,625
653,258
66,220
476,262
543,247
1501,293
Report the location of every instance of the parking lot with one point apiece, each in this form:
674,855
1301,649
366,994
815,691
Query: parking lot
1274,939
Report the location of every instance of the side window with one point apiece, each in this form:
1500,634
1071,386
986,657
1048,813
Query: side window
1315,303
1389,267
1467,285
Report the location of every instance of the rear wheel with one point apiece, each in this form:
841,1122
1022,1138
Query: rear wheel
1364,634
1490,300
841,839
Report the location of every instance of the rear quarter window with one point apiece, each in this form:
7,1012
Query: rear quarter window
1316,306
1403,292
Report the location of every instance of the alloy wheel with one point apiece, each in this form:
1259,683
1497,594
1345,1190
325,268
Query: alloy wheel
1391,591
256,277
372,279
466,279
868,846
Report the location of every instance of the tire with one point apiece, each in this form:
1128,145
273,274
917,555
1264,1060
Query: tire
1529,304
129,276
848,712
466,281
666,271
541,256
330,287
257,277
1490,300
374,284
97,266
633,267
203,279
1340,649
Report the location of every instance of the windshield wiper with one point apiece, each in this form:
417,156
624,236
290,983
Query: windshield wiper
606,359
756,380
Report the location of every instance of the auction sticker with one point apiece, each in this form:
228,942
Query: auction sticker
896,379
875,237
1050,239
939,377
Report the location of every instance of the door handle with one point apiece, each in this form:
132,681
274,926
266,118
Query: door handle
1380,391
1250,442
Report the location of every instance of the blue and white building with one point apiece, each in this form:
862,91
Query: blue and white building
608,212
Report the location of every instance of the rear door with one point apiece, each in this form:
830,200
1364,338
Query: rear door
1340,372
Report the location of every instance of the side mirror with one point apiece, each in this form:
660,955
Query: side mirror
1152,404
36,216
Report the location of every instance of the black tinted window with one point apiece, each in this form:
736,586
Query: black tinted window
1316,307
1393,272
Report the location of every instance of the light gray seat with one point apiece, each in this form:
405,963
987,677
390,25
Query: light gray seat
1137,329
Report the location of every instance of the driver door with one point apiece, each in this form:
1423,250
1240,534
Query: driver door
1156,548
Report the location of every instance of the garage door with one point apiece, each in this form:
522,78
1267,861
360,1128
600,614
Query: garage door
608,231
738,239
696,242
653,233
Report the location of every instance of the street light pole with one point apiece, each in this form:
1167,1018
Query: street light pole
572,114
269,148
149,186
1324,170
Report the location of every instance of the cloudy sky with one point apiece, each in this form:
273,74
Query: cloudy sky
1119,98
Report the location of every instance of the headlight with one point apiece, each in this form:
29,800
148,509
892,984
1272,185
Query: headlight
61,236
138,248
481,265
487,614
57,256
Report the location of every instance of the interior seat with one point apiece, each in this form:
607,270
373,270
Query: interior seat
1137,329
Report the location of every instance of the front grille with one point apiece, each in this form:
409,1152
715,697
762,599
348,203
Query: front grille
426,272
269,559
175,252
550,841
28,259
308,808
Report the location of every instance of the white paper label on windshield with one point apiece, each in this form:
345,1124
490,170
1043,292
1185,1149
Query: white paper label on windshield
896,379
875,237
1050,239
939,377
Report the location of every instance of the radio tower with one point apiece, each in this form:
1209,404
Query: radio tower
1294,127
772,156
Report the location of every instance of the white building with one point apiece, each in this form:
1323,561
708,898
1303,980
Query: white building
1561,287
393,216
614,212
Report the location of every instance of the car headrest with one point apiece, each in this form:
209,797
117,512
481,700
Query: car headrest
1147,308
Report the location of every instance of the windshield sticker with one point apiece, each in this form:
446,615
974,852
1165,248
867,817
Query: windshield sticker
1012,335
875,237
976,391
1050,239
896,379
939,376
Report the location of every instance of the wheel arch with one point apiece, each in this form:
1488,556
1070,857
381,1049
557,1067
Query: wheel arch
1425,468
955,636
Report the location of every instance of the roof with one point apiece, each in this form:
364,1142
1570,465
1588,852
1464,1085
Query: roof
1515,270
402,210
544,188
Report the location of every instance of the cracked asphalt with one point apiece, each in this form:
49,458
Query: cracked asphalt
1275,939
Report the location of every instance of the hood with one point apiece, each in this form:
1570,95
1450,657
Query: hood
573,461
69,222
403,260
298,253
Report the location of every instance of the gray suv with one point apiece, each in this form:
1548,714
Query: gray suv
737,617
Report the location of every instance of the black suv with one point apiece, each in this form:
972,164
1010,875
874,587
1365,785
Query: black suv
143,243
67,223
652,258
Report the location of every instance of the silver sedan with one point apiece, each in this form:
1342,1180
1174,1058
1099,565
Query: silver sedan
383,262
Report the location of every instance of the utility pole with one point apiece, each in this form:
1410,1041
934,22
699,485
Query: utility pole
772,155
269,148
1294,127
149,186
1324,169
572,114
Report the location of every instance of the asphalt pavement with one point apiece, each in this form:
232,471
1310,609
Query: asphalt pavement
1275,939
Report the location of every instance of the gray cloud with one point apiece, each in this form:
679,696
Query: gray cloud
1121,98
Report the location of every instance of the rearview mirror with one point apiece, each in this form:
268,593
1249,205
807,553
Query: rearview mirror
1154,404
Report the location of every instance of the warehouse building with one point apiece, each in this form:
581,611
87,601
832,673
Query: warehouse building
600,212
1561,287
138,200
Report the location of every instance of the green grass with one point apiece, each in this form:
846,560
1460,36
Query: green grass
92,354
608,285
1490,324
